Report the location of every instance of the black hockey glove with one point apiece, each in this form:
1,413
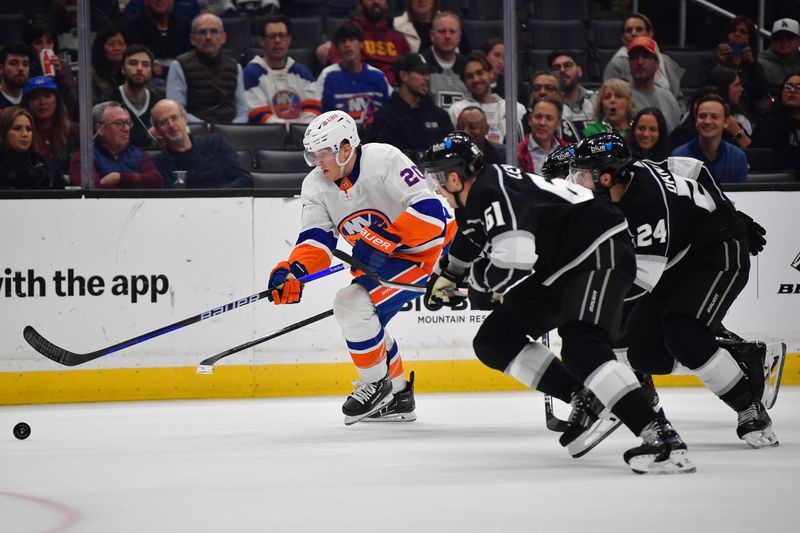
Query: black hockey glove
483,301
756,239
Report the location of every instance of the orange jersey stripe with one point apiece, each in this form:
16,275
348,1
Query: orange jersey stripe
370,358
414,231
381,293
311,257
396,368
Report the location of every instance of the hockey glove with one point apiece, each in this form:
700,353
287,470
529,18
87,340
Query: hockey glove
374,247
283,281
755,234
443,284
483,301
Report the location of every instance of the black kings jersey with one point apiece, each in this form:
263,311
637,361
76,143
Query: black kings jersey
668,214
526,224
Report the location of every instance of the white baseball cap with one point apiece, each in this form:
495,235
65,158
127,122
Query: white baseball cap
787,25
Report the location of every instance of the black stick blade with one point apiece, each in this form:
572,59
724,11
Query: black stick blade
53,352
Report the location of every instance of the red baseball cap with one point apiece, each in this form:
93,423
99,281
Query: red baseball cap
644,42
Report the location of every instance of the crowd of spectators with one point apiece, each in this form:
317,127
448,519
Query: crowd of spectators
158,66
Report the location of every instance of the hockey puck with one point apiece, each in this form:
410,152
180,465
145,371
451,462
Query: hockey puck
22,431
205,369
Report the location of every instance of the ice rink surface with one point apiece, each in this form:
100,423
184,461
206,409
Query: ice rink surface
472,462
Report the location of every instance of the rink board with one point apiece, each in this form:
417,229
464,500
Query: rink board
89,273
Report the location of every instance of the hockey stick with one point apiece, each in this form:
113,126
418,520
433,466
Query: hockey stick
350,260
206,366
67,358
552,422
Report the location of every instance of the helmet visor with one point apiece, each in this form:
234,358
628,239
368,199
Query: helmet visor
323,156
436,178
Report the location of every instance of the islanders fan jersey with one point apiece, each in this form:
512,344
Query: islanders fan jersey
280,95
357,94
384,189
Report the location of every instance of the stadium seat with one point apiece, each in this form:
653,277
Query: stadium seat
561,9
332,24
479,31
296,133
604,55
288,183
239,32
11,27
306,32
198,128
550,34
281,161
607,33
304,56
253,136
484,10
247,159
537,59
696,63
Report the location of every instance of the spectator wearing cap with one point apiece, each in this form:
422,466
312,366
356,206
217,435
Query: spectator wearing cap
56,135
643,64
117,163
15,64
351,85
409,120
669,73
277,88
727,163
783,56
478,79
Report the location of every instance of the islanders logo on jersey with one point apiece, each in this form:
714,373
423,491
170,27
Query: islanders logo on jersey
350,227
286,104
361,107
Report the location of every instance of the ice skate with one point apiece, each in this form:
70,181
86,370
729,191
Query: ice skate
366,399
400,409
755,426
662,450
589,423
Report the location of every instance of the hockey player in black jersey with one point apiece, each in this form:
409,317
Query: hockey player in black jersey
692,261
550,256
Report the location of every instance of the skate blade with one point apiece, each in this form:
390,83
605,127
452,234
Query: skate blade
677,463
601,429
773,371
394,417
764,438
350,420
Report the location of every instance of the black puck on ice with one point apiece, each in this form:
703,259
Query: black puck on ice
22,431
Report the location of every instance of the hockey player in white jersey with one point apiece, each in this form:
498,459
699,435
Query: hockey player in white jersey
692,261
378,200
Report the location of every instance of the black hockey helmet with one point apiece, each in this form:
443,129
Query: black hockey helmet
556,165
454,153
604,152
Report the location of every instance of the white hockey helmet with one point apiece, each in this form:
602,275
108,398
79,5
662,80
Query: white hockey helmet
328,131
